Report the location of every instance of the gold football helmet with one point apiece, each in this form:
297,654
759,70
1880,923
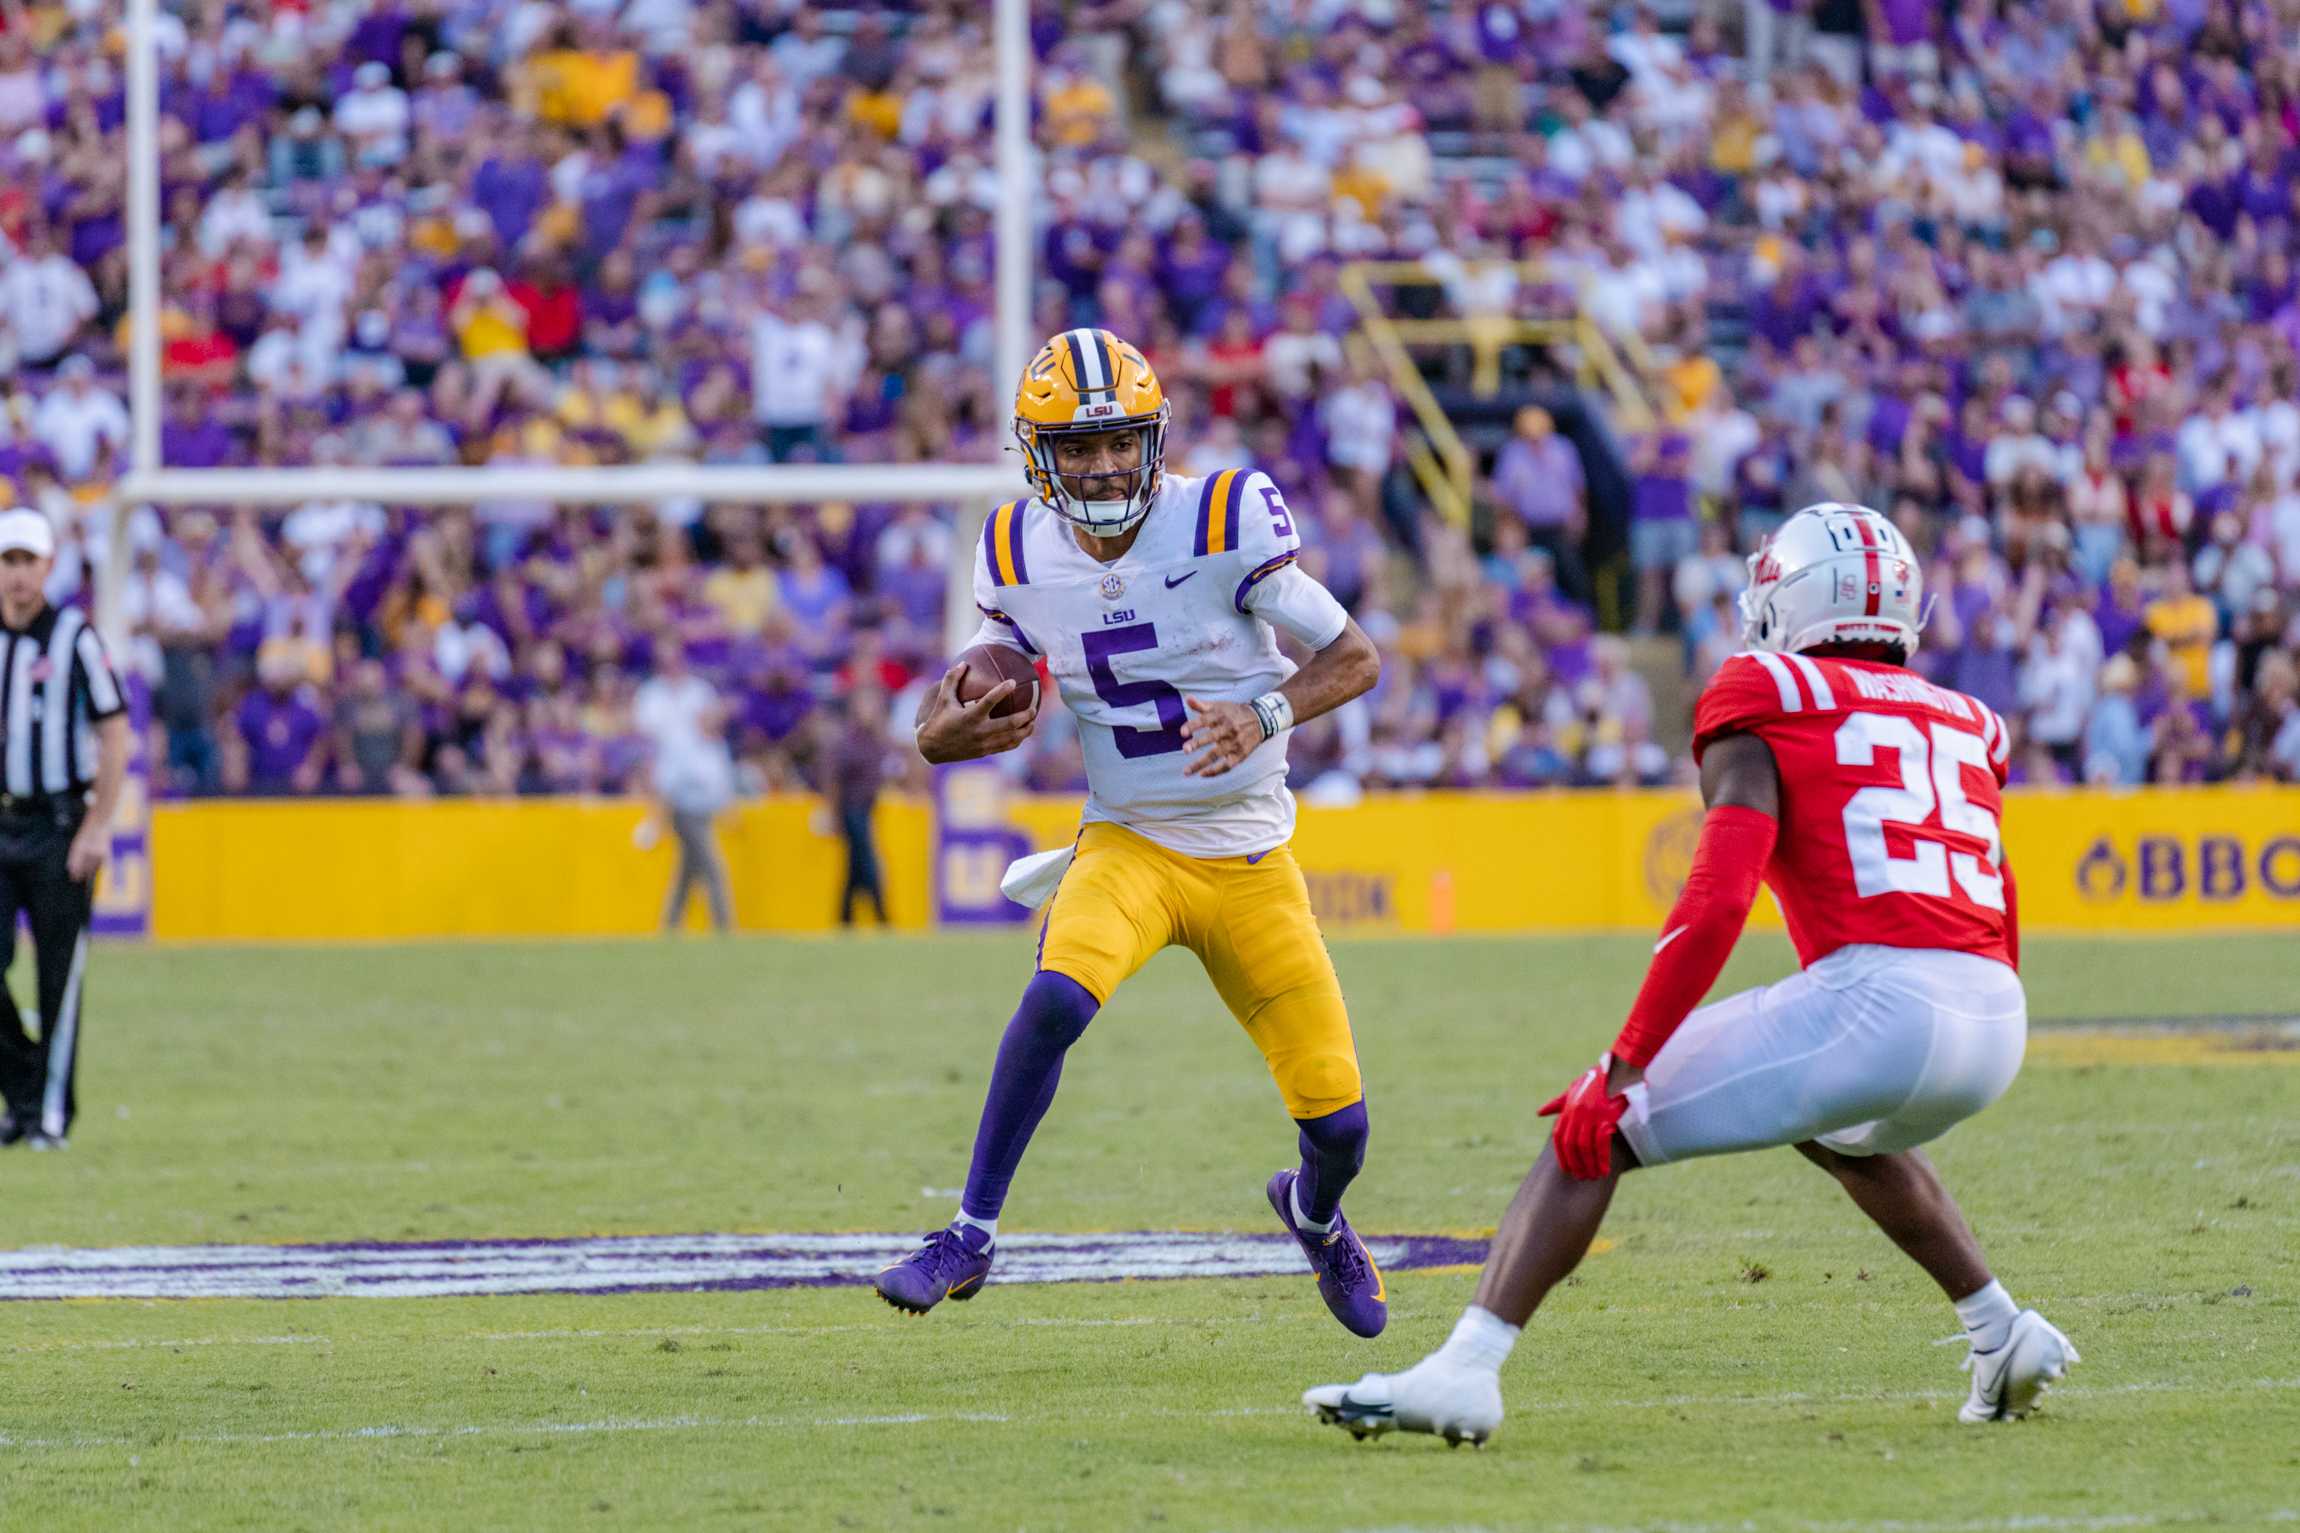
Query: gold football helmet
1084,382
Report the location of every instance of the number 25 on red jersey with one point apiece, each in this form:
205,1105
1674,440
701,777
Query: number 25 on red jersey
1889,801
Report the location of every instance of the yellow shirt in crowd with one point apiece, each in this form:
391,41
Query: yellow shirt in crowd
582,89
2187,625
745,599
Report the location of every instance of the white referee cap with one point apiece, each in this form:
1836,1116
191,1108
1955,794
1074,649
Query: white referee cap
26,529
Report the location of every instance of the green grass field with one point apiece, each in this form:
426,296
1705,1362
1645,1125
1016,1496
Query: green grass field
1745,1354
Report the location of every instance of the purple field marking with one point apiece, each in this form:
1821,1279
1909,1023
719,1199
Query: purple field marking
644,1264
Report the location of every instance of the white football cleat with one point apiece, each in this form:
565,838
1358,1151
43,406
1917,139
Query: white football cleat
2007,1381
1459,1404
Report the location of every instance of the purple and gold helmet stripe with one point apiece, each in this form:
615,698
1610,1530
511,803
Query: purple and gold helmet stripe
1090,361
1218,515
1262,572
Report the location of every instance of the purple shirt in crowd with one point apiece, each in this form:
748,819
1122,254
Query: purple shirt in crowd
280,733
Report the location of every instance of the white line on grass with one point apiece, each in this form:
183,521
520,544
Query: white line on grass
392,1431
129,1344
2026,1523
646,1332
848,1328
927,1418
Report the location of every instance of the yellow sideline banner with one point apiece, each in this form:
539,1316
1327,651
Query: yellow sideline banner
376,869
2088,860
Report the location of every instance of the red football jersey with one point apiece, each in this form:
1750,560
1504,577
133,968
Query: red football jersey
1890,801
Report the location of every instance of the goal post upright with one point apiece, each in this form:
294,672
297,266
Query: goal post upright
969,487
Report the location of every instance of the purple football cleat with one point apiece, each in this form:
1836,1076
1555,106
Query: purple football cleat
951,1265
1348,1280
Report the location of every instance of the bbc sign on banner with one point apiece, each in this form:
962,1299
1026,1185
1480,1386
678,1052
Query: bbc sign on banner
973,843
123,896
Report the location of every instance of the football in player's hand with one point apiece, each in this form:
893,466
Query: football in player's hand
989,664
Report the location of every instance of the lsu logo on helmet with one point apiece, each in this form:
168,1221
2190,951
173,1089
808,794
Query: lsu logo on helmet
1088,381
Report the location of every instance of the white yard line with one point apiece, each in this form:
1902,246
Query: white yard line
146,1442
2025,1523
168,1344
849,1328
656,1332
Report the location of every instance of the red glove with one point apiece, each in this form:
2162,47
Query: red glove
1586,1115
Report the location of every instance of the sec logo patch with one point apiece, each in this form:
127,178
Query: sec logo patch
1113,586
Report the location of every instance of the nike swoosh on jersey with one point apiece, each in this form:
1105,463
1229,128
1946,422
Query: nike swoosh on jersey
1174,580
1670,936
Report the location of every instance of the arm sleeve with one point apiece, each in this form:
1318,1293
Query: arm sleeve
1703,925
105,698
1291,601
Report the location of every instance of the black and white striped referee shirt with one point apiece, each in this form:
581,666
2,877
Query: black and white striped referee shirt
56,684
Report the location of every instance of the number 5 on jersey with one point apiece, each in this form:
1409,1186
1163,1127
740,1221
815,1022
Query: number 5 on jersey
1932,762
1102,645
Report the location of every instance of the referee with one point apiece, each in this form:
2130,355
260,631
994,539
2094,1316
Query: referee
63,756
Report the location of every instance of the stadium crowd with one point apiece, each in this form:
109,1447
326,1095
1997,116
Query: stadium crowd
2021,274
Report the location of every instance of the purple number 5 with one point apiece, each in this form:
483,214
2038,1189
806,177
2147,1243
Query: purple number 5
1281,519
1134,742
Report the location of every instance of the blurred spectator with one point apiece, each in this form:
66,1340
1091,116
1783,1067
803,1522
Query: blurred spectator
83,426
2056,685
857,770
801,370
1538,479
2183,621
2230,569
378,734
281,746
1662,529
679,716
2115,743
45,300
1361,425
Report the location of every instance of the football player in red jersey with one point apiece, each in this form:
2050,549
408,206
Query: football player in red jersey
1869,799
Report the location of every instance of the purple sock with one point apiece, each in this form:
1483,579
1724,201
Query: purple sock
1333,1148
1054,1011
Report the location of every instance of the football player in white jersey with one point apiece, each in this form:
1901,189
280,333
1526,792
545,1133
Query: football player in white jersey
1156,601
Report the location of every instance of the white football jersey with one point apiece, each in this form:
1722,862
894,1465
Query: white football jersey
1185,612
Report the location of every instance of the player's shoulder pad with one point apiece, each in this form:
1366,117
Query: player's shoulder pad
1243,517
1000,558
1756,687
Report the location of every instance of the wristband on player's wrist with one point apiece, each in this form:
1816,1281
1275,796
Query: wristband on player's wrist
1275,711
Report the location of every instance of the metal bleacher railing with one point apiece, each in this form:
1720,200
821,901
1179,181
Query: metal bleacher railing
1442,461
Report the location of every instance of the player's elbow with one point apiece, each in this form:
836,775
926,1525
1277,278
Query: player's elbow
1357,662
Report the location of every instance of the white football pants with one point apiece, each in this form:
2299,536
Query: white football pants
1869,1051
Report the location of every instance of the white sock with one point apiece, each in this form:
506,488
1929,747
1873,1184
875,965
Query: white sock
1304,1221
966,1220
1988,1316
1480,1339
